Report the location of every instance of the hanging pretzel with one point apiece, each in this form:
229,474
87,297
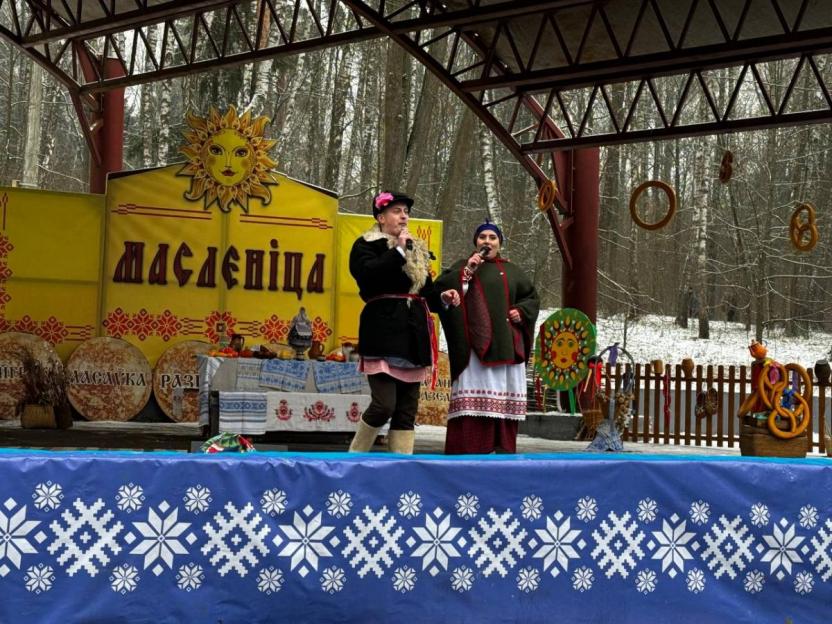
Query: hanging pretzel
546,195
671,199
799,229
770,388
725,168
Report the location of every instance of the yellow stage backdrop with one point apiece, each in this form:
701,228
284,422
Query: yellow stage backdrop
348,304
50,265
176,271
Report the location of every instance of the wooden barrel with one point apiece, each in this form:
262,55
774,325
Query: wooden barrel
433,404
176,380
11,384
108,379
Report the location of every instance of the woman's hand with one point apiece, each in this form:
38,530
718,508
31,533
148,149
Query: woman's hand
474,261
515,316
451,298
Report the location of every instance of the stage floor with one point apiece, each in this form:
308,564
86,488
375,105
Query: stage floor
264,537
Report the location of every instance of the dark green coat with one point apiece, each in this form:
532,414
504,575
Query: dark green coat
481,323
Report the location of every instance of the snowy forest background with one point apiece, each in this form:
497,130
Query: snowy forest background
365,117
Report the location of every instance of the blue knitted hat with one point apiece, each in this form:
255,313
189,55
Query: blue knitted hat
488,226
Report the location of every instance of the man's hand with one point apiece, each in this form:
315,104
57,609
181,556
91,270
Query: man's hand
451,298
404,236
515,316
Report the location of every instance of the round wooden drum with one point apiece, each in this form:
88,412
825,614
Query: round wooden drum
109,379
11,384
176,380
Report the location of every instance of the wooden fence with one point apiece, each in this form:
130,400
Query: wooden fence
677,423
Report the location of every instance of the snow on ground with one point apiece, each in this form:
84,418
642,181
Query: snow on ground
657,337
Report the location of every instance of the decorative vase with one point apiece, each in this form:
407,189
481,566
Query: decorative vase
688,366
657,366
316,350
823,372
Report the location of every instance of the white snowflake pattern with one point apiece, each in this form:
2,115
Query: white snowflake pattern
467,506
333,580
197,499
130,498
558,544
782,548
582,579
803,583
48,496
700,512
190,577
404,579
646,581
586,509
462,579
759,515
160,538
528,580
125,578
14,542
410,504
304,541
808,517
754,581
39,578
436,546
532,507
647,509
696,580
339,504
270,580
673,546
273,502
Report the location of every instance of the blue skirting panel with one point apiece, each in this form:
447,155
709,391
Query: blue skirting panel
155,537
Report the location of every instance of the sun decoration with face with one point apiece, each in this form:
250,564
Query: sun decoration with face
564,344
228,159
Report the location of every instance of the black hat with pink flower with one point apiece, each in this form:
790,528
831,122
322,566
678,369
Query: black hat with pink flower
388,198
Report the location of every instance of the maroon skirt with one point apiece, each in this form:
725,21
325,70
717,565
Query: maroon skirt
473,435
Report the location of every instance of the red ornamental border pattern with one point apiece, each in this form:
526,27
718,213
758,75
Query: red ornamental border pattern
485,404
143,325
52,330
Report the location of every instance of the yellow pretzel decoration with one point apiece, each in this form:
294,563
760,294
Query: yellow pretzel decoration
772,394
546,195
671,199
799,229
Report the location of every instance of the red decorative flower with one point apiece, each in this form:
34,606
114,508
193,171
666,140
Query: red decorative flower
5,272
211,321
283,412
353,413
143,324
117,323
274,329
320,330
52,331
5,246
26,325
319,411
168,325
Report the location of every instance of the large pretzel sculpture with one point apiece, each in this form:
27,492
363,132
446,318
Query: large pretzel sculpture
772,385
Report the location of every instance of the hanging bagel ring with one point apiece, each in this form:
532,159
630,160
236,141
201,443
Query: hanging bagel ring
671,200
546,195
803,234
725,168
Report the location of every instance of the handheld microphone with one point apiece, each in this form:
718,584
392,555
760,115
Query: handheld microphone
409,244
484,251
